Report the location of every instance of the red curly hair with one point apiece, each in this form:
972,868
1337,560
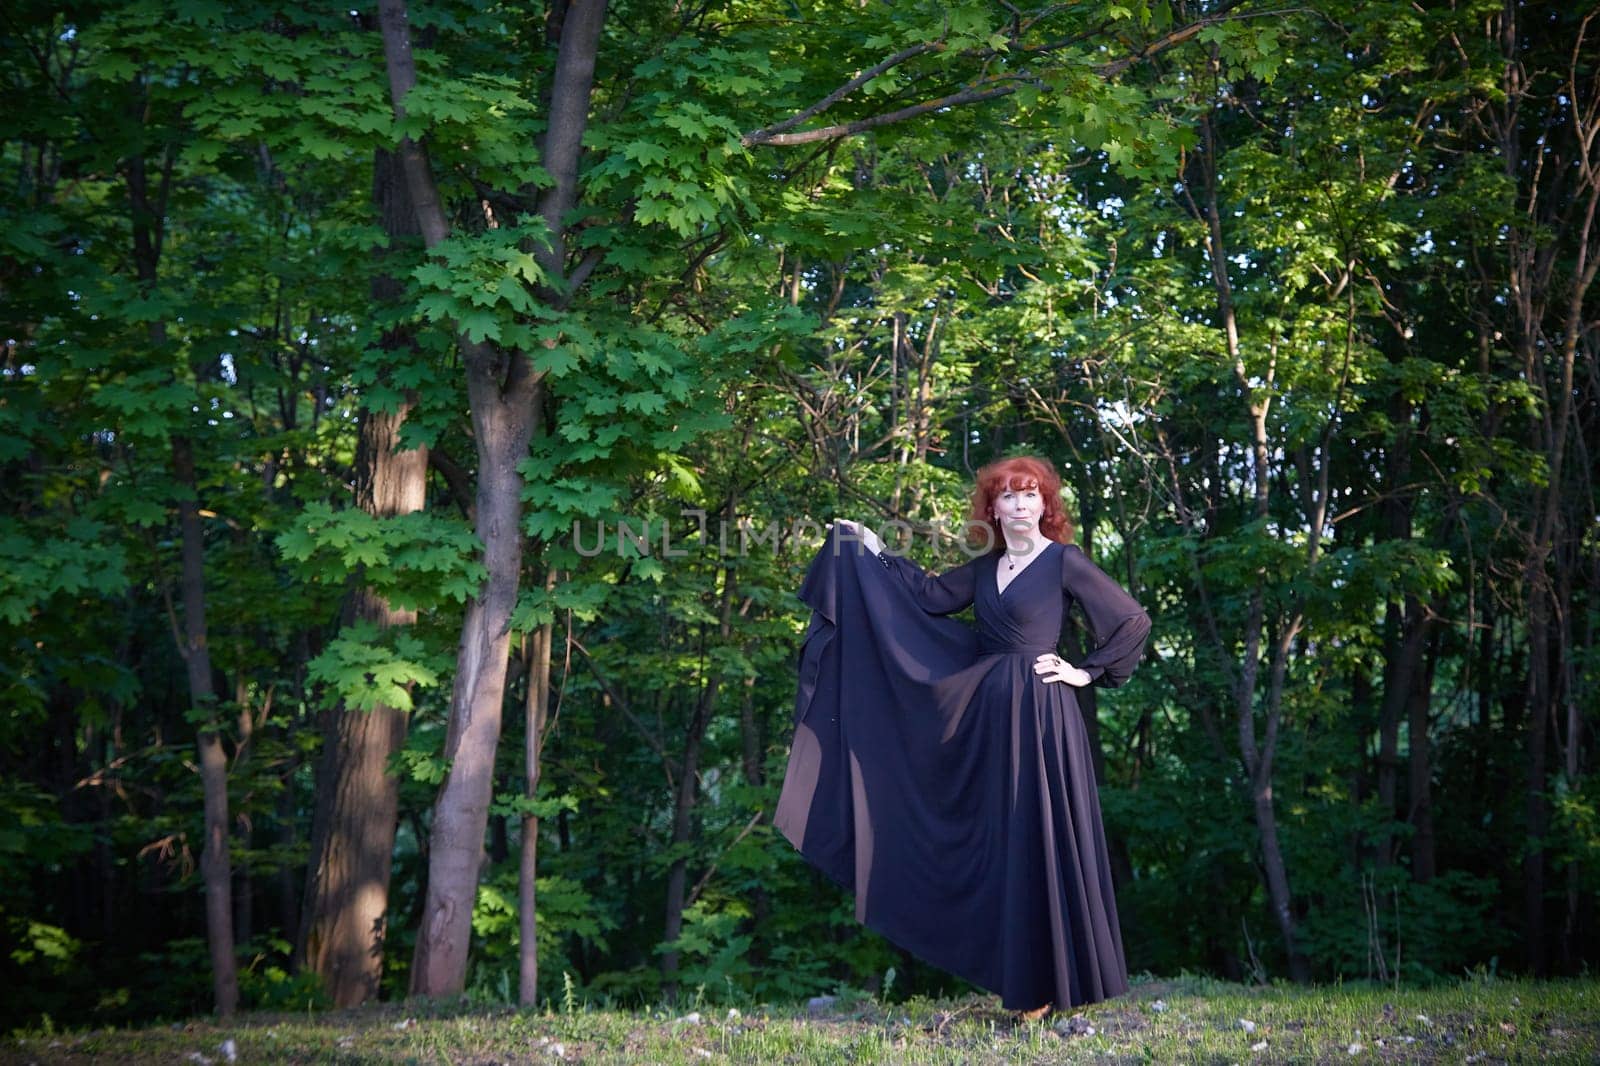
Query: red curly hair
1018,473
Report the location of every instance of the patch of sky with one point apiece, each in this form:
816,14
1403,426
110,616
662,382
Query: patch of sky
1118,413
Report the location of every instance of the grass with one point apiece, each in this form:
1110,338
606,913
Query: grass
1188,1019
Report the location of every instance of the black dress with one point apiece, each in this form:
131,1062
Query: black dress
947,785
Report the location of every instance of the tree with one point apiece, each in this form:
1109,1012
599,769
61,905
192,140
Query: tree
504,388
353,830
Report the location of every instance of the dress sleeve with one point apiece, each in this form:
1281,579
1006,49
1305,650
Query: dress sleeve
943,593
1120,625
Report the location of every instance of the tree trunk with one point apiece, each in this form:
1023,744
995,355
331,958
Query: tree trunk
216,866
503,392
347,889
1400,648
750,740
148,217
1258,758
1534,808
1404,647
1580,908
1423,866
1388,763
1358,783
536,708
683,809
755,777
1557,178
688,784
502,425
289,881
347,879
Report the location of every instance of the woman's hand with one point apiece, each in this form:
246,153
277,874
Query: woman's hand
861,533
1055,668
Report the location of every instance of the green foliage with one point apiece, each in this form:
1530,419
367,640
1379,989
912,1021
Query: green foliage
1575,824
60,562
32,831
566,914
1424,932
268,983
420,760
674,150
416,560
712,951
366,667
482,285
46,950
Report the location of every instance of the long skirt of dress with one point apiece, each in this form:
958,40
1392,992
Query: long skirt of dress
952,792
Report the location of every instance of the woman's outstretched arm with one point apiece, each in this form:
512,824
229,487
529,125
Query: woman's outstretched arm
943,593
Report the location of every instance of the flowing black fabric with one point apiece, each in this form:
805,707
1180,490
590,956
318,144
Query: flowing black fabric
947,785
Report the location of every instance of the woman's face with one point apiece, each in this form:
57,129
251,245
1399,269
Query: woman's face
1018,510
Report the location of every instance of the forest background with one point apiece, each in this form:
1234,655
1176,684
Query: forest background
326,331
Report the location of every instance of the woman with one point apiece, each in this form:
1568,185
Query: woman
942,772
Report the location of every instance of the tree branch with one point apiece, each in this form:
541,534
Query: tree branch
627,712
456,479
982,90
765,136
705,878
395,26
569,117
849,129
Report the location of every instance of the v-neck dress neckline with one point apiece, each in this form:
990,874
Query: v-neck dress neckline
995,579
